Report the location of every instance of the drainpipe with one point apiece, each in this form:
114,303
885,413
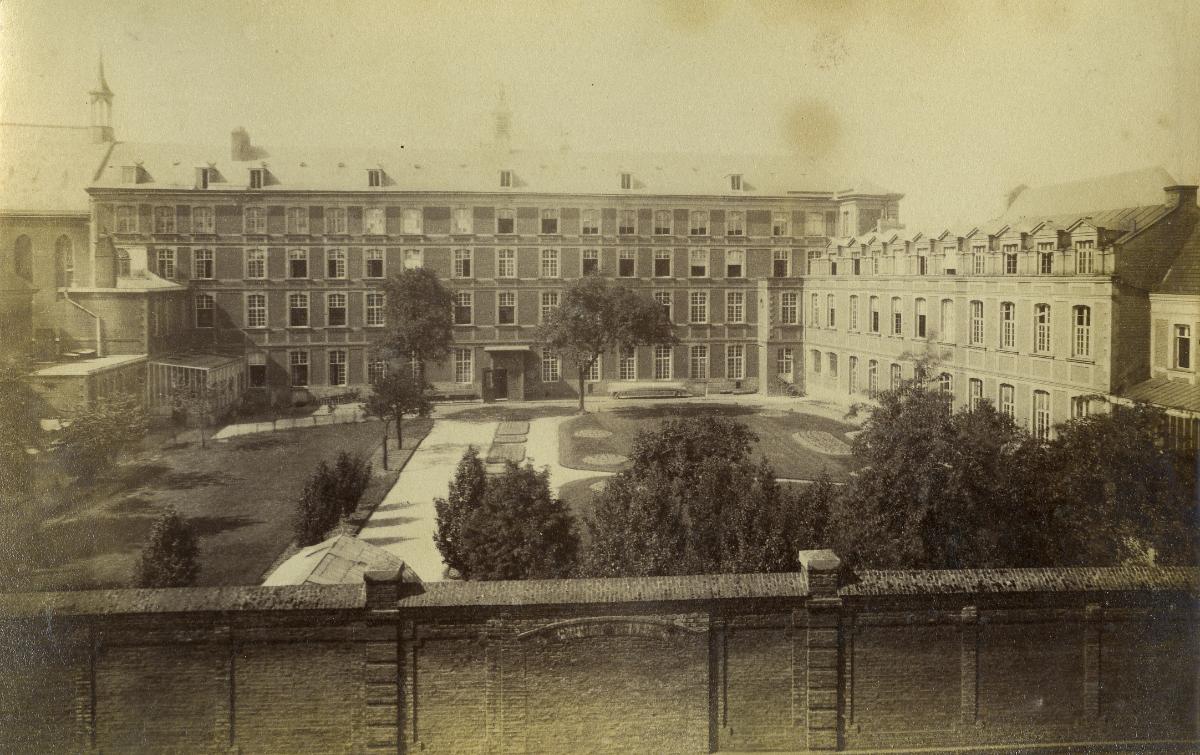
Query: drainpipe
93,315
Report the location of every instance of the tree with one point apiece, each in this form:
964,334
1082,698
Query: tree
693,501
193,401
465,496
170,556
395,394
597,316
20,431
351,476
95,436
519,531
419,316
317,509
1119,494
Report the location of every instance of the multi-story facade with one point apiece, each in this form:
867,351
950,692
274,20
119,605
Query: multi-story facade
1039,315
285,256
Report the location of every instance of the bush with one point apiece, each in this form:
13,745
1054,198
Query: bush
95,436
317,510
169,558
352,475
466,495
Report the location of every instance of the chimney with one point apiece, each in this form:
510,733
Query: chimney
820,568
386,587
239,145
1181,196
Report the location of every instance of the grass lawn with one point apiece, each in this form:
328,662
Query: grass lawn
238,495
598,441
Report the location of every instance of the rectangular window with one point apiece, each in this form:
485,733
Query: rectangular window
874,314
831,311
785,361
699,223
462,263
462,220
664,300
551,367
627,222
735,361
698,362
1041,340
853,324
852,374
549,263
811,261
976,323
374,221
505,222
414,258
1084,256
164,220
506,263
833,365
464,304
872,377
590,223
375,309
1007,404
662,263
735,223
126,219
947,325
698,263
298,310
202,264
549,303
166,263
203,220
627,263
974,393
506,179
920,329
662,222
297,220
298,364
335,263
593,371
549,221
662,362
1010,259
506,308
780,263
698,307
374,258
735,182
590,262
1183,347
410,221
464,366
779,224
337,367
335,221
204,311
735,307
814,224
789,308
298,263
814,311
377,369
256,310
1083,332
627,365
257,363
895,376
374,177
735,263
1008,325
626,180
255,220
1079,407
897,317
979,259
1041,415
335,310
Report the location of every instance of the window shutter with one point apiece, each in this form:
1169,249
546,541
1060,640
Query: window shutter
1162,343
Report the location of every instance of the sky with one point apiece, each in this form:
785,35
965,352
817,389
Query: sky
951,103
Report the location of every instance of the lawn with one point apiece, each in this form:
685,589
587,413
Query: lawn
238,495
798,445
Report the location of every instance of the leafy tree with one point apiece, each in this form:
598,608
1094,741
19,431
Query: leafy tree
519,531
693,501
419,316
191,402
170,556
597,316
1118,493
465,496
318,509
95,436
20,430
395,394
351,476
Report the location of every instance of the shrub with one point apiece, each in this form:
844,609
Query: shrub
169,558
352,475
466,495
317,510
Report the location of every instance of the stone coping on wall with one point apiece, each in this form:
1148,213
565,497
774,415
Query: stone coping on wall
701,587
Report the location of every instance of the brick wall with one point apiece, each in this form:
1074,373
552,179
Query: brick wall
798,662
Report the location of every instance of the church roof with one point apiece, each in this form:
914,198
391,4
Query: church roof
47,169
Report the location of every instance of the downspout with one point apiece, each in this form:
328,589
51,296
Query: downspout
93,315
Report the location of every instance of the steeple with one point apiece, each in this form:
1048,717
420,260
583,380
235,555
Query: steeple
502,133
101,101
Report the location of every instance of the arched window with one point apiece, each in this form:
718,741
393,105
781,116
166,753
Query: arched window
1008,325
23,257
1082,343
948,320
64,262
946,387
122,263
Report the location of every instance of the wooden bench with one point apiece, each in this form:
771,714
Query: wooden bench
650,390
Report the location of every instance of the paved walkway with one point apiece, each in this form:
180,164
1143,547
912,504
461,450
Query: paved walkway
541,450
405,521
341,414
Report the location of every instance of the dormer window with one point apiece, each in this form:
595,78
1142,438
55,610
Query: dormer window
506,179
375,177
626,180
735,182
257,178
203,176
129,174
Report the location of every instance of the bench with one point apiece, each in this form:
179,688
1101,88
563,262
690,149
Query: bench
650,390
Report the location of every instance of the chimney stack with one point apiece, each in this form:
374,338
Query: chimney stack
239,145
386,587
1181,196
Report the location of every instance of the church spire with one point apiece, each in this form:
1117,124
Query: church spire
101,100
502,133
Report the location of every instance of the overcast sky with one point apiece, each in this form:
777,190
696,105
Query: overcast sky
951,103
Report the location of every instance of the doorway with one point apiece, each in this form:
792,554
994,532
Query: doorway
496,383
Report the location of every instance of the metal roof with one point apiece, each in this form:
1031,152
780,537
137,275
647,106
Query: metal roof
1169,394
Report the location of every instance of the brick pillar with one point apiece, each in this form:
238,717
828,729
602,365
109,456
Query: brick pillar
822,649
85,692
385,699
224,725
1093,617
968,712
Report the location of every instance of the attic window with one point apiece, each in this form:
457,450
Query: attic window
129,174
256,178
202,177
735,182
626,180
506,181
374,177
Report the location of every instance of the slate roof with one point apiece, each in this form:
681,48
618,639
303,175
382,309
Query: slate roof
1183,277
1136,188
341,559
1171,394
172,166
47,169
